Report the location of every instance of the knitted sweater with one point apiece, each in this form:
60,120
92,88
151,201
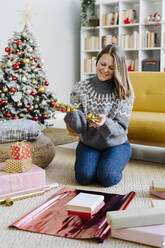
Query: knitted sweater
98,97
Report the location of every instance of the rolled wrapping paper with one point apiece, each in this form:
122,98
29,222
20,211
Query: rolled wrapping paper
69,108
135,217
160,187
159,194
92,117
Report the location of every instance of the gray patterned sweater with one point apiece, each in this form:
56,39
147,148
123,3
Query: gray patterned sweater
98,97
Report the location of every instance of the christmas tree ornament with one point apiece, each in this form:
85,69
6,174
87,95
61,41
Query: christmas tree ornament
8,114
45,116
35,59
25,61
16,67
34,82
18,43
3,102
35,118
52,103
26,74
16,117
14,78
41,89
39,66
46,83
33,93
12,89
24,35
5,89
32,64
19,104
19,54
7,49
30,49
3,66
29,109
9,53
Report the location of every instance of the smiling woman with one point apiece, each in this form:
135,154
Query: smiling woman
103,150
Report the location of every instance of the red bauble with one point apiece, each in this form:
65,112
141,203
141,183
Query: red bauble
16,67
39,66
29,109
18,63
14,78
18,42
9,53
33,93
3,102
35,59
16,117
35,118
46,83
12,89
52,103
45,116
7,49
8,114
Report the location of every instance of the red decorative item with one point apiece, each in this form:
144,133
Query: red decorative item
16,67
12,89
16,117
45,116
33,93
35,59
129,68
18,43
46,83
9,53
7,49
52,103
20,151
18,63
3,102
14,78
8,114
39,66
29,109
127,21
35,118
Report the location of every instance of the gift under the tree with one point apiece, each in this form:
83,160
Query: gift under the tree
18,166
20,150
13,182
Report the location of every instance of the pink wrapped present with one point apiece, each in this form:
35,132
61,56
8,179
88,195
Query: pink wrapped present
12,182
159,194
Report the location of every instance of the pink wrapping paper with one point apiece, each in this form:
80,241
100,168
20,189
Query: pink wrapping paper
157,193
11,182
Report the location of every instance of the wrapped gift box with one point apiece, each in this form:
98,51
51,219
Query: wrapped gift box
12,182
20,150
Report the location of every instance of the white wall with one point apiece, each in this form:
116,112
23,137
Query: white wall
56,27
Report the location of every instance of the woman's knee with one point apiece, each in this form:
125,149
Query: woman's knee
109,179
84,178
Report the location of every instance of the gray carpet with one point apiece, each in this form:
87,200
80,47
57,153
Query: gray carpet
136,177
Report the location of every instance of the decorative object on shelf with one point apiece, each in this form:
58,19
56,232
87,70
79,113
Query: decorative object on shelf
153,18
151,65
88,13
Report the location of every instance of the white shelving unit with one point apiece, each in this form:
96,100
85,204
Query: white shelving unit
139,52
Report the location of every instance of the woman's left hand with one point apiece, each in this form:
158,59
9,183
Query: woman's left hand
102,119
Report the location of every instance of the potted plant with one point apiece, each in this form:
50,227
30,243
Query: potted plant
88,13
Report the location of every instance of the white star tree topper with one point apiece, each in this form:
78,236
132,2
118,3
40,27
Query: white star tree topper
27,15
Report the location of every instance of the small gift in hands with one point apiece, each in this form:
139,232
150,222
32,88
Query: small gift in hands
65,107
85,205
96,120
21,160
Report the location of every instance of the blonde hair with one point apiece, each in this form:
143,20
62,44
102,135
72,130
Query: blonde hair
123,85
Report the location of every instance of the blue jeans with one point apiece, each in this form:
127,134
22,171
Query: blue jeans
104,166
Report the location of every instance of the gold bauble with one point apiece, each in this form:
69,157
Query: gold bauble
19,54
25,61
5,89
34,82
41,89
26,74
3,66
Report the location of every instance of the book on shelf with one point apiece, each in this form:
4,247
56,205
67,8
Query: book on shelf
85,204
91,43
153,235
109,19
159,194
158,186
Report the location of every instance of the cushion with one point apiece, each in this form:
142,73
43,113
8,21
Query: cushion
18,130
147,126
42,150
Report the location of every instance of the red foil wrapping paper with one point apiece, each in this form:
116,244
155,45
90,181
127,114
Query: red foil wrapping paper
20,150
51,216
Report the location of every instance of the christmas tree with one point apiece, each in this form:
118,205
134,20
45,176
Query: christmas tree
23,85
